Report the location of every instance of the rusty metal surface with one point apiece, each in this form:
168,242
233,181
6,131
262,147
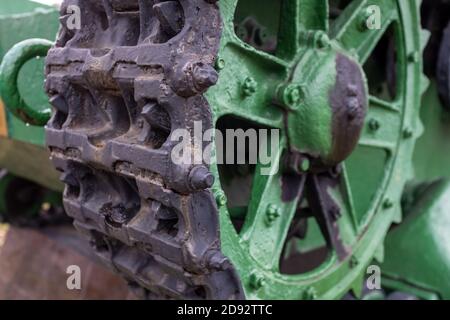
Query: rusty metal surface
149,219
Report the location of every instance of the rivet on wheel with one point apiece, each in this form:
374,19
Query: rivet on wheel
256,281
374,125
321,40
221,198
407,133
388,204
365,18
414,57
249,87
291,95
220,64
310,294
272,213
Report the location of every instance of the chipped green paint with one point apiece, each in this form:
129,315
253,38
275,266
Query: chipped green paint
366,180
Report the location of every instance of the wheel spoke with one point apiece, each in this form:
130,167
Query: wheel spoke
250,96
298,16
381,130
352,29
248,78
270,214
327,213
375,102
379,142
347,195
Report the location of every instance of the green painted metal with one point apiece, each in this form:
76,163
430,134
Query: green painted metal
10,67
430,159
417,251
22,150
249,88
421,240
28,20
258,87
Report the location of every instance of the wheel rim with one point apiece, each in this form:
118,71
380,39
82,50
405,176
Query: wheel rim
362,224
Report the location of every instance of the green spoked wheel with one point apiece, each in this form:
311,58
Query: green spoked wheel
336,86
342,82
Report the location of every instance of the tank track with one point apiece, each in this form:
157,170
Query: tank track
135,72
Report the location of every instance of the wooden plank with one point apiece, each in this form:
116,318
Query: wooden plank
33,265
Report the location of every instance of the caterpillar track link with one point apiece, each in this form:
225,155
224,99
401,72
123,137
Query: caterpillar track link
120,86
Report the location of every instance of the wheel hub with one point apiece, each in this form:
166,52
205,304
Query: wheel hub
325,119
